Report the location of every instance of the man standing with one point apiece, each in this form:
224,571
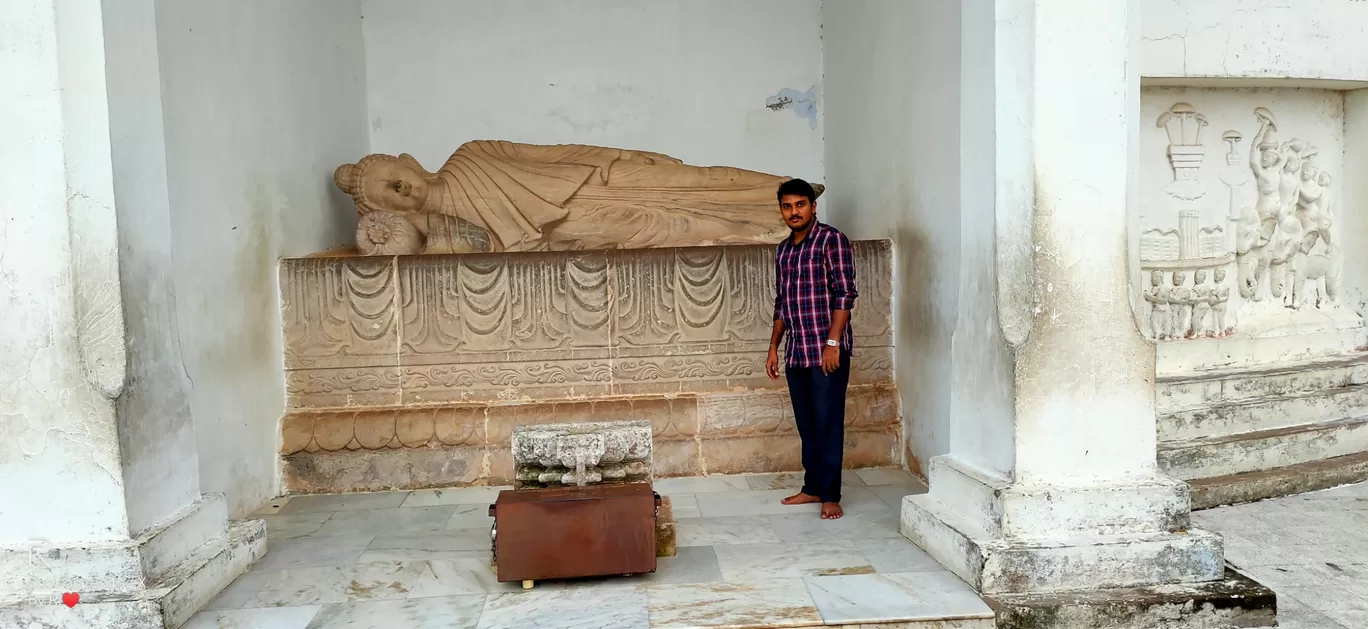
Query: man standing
814,291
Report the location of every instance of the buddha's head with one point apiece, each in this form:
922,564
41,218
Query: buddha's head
385,182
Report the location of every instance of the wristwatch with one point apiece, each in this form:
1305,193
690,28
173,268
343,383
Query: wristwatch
831,343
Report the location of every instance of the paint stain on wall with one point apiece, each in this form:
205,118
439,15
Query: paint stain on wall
802,104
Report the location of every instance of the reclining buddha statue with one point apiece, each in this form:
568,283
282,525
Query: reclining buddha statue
503,196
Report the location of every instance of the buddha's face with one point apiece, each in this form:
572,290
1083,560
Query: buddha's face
1268,158
394,186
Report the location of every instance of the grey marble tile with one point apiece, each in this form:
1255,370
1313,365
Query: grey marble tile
897,555
280,527
273,618
893,495
753,562
377,581
272,507
684,506
470,516
617,608
454,496
693,564
442,544
794,481
866,524
388,521
343,502
737,529
443,612
700,485
767,603
311,551
873,598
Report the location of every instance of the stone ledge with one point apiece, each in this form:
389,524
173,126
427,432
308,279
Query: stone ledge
1282,481
1234,601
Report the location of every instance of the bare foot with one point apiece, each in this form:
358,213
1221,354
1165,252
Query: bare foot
832,511
800,498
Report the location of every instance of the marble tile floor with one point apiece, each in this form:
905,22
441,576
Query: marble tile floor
1311,549
420,560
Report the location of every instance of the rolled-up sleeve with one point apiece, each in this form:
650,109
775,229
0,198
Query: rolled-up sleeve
840,260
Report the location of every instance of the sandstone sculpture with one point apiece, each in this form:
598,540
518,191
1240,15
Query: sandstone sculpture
503,196
582,454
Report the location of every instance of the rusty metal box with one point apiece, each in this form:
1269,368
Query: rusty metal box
569,532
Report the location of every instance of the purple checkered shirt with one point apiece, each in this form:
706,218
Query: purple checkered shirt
811,279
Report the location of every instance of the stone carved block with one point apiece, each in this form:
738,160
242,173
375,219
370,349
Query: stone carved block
582,454
444,329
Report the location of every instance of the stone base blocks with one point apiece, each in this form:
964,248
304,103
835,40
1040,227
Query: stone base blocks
989,532
155,581
405,372
1248,433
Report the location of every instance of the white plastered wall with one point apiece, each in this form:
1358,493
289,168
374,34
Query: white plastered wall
261,101
711,82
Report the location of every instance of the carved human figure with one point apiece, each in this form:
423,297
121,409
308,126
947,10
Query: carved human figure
1289,186
1180,298
1267,164
534,197
1313,209
1201,303
1220,301
1158,296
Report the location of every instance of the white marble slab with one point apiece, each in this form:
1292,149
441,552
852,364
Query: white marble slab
272,618
388,521
343,502
454,496
895,555
241,590
794,481
313,551
700,485
444,612
875,598
768,603
888,476
280,527
377,581
617,608
893,495
739,529
853,526
720,504
748,563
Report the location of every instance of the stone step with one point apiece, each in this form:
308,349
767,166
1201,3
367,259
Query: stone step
1264,449
1234,489
1204,389
1264,413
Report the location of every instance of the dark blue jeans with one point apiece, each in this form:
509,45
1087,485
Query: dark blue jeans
819,410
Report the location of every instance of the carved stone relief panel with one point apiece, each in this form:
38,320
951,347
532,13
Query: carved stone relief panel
1246,243
531,326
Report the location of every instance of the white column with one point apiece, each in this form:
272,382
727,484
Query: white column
96,500
1079,504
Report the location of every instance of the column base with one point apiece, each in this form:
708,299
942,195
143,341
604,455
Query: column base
1004,538
1234,601
157,581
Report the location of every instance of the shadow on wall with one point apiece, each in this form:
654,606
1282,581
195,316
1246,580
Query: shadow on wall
913,329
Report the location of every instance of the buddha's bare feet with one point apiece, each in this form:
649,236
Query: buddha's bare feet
832,511
800,498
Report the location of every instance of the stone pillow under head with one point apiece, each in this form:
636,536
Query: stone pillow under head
385,232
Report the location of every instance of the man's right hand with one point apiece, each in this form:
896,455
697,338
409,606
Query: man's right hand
772,364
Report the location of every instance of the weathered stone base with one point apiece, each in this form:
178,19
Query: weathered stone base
666,539
1283,481
1235,601
377,449
165,604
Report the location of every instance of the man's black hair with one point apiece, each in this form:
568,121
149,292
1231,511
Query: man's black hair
797,187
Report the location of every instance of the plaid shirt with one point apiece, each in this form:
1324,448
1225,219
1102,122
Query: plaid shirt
811,279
